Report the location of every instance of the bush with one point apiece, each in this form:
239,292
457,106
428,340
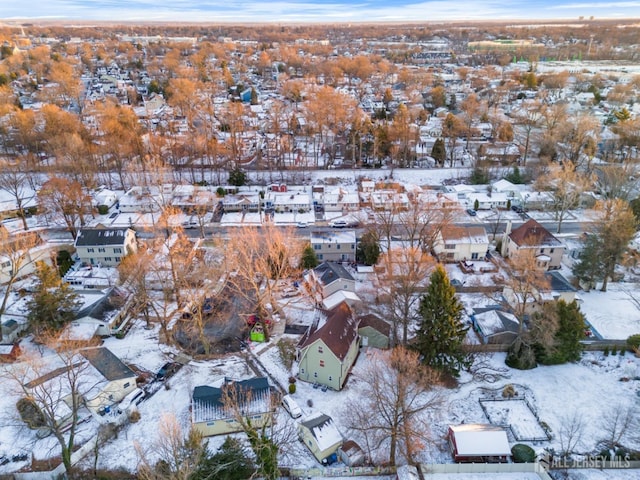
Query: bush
634,341
521,357
292,388
221,192
292,379
523,453
134,416
30,413
606,351
103,209
310,403
509,391
287,350
614,350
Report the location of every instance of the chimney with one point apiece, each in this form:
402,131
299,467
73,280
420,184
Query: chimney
507,229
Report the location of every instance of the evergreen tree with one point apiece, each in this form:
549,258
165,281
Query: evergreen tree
309,258
587,269
237,177
368,250
438,151
53,303
441,333
569,332
231,462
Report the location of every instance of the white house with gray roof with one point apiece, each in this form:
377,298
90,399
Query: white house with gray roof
105,246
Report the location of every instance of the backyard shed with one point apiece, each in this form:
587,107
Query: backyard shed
478,443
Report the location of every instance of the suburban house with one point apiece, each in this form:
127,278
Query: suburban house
374,331
242,202
559,287
329,278
339,246
288,201
494,325
533,237
320,435
336,298
210,416
105,246
329,348
554,287
478,443
486,200
12,326
340,200
111,381
456,243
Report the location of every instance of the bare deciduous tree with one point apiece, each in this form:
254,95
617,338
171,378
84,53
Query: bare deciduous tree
176,454
391,413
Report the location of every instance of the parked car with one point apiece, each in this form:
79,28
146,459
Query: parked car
166,370
338,224
291,406
133,398
472,212
302,224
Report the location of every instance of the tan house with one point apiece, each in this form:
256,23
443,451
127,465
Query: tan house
456,243
533,237
105,246
112,382
210,416
320,435
328,350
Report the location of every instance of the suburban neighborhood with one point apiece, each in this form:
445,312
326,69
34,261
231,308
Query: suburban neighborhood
309,252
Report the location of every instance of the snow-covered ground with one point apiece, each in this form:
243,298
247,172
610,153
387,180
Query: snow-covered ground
614,313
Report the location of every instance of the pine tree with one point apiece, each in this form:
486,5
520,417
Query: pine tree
53,303
570,330
441,333
368,250
438,152
309,258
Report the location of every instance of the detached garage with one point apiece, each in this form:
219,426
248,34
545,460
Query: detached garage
479,443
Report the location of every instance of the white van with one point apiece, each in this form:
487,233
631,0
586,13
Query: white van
291,406
133,398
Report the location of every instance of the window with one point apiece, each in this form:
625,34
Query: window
338,247
302,370
117,250
474,256
6,264
320,350
449,246
126,385
101,250
117,259
316,247
322,363
320,256
107,259
90,250
330,378
315,374
551,250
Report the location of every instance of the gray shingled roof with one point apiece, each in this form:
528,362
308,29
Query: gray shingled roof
110,366
89,237
329,272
